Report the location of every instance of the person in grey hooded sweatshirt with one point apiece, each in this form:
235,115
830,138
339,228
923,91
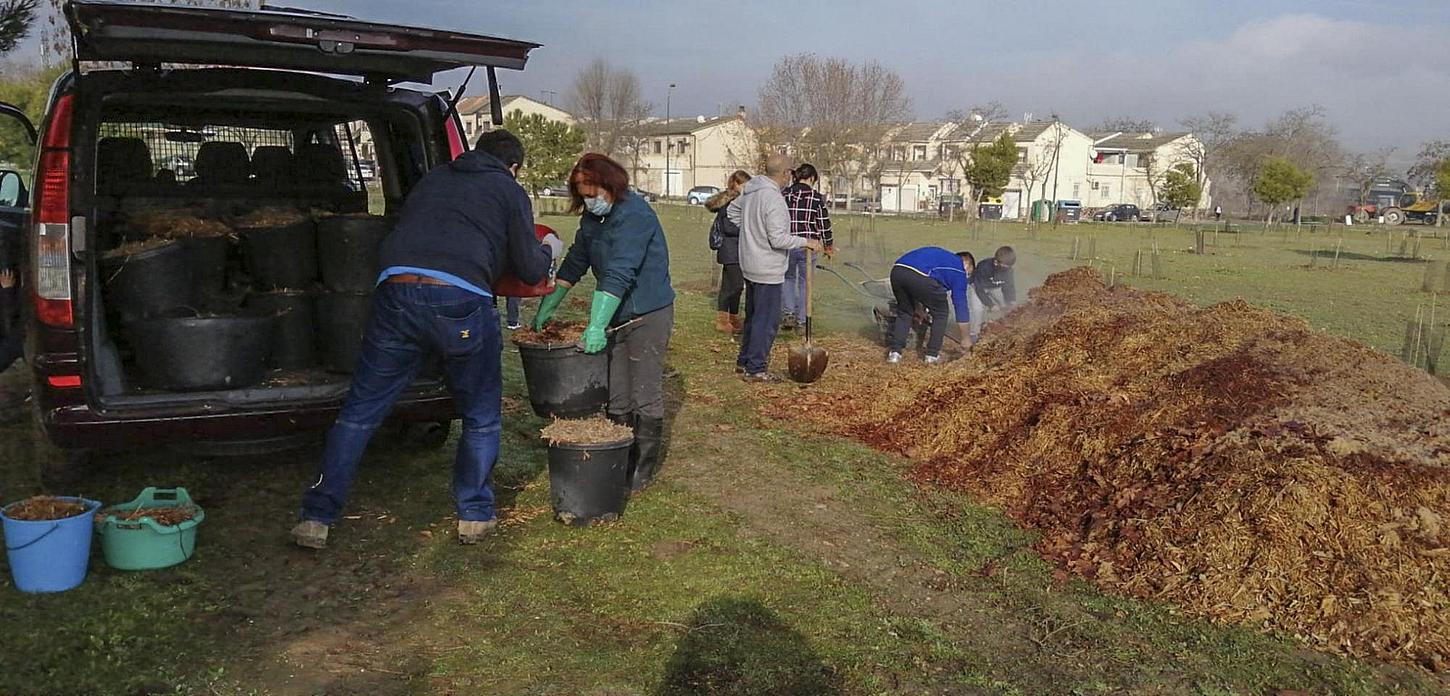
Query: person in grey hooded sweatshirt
765,245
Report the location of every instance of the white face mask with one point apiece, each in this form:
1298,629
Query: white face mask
598,206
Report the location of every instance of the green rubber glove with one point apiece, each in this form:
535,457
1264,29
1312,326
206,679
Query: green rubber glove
600,313
549,305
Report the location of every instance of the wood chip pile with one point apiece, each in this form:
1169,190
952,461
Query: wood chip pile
585,431
1228,459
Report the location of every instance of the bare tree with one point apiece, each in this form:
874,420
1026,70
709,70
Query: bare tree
1362,169
830,111
981,114
1125,124
1211,132
611,108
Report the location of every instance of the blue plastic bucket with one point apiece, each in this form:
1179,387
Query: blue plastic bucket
50,555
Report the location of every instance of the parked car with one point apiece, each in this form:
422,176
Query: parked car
647,195
700,194
555,189
91,390
1121,212
1162,212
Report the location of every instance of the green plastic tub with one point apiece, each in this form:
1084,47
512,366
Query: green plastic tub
145,544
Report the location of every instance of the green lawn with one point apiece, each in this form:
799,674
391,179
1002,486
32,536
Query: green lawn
765,561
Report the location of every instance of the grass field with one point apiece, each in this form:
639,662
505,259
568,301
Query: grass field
765,561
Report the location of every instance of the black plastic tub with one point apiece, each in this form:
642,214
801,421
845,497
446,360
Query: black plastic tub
347,251
589,483
150,283
294,333
209,264
199,353
281,257
565,382
341,318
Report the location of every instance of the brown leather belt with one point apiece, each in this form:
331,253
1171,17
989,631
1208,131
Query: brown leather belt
414,279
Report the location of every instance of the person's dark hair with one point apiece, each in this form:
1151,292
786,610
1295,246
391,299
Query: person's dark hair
805,172
599,170
503,145
1005,256
969,258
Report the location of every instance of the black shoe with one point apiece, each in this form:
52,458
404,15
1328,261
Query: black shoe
647,453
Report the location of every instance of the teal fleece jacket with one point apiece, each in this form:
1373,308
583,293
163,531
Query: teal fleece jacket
626,252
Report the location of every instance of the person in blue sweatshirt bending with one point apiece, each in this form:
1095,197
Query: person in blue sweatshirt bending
926,277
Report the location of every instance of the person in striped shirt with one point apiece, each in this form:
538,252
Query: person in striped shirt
809,218
927,277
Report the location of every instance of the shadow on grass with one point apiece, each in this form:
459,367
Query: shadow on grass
737,646
1327,254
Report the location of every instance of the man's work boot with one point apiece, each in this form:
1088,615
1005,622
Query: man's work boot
722,322
310,534
473,531
737,325
647,453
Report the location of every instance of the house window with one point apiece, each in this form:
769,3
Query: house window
1077,190
1107,191
918,152
1021,155
682,145
659,147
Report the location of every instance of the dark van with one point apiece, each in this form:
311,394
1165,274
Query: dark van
276,134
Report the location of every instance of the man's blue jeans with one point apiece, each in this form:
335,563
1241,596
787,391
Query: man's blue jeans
409,324
762,321
793,302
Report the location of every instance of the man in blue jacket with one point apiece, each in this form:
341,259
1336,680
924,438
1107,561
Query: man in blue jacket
926,277
463,224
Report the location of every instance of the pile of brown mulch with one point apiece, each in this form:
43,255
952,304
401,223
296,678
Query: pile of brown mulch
585,431
164,516
555,333
1228,459
42,508
271,217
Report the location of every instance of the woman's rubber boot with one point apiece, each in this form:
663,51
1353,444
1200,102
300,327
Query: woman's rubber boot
647,453
722,322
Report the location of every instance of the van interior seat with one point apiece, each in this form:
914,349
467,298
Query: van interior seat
221,165
123,165
273,166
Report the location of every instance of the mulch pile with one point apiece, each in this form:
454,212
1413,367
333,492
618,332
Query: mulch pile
1228,459
555,333
271,217
164,516
585,431
171,223
42,508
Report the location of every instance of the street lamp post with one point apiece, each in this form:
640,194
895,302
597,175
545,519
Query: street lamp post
668,141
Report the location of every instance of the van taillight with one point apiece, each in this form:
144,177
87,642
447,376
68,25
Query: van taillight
51,259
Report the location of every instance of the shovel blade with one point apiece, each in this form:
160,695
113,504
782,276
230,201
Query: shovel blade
807,364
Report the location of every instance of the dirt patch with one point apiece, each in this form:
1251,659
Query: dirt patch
554,333
43,508
1228,459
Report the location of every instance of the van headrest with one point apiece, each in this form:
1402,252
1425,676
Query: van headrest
122,161
222,162
272,163
320,163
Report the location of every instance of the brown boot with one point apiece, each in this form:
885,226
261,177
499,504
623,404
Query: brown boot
737,325
722,322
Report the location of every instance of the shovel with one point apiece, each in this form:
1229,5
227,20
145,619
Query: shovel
808,362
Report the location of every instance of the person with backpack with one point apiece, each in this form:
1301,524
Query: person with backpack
725,241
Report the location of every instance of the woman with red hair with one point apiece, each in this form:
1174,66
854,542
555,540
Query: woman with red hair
621,242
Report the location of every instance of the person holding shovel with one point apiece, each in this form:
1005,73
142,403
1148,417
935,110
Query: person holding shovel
809,218
925,278
992,288
621,242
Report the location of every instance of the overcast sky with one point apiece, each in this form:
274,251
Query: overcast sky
1382,68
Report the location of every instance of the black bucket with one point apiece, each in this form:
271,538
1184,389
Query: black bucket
347,251
150,283
294,334
192,353
281,257
565,382
209,264
341,318
589,483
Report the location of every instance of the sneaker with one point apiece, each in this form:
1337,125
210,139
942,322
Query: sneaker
472,532
310,534
787,322
931,359
760,378
893,358
515,326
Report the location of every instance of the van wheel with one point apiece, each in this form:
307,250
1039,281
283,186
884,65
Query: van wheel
427,435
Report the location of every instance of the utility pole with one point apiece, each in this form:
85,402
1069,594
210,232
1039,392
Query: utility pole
1056,166
669,138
